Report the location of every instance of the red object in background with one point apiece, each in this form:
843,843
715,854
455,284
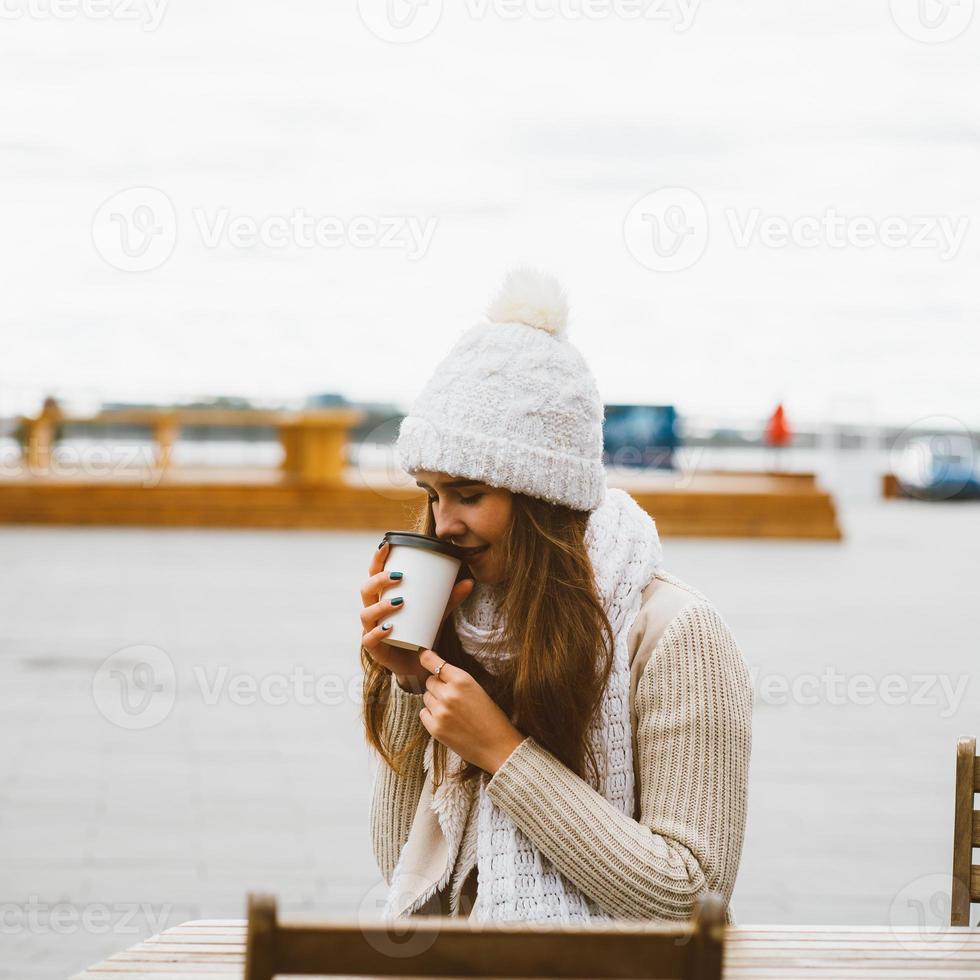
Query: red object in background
778,432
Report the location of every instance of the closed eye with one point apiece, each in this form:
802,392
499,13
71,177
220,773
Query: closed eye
463,500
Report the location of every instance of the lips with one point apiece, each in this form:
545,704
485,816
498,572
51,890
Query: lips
474,552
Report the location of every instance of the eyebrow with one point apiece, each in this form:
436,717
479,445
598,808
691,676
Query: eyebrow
453,483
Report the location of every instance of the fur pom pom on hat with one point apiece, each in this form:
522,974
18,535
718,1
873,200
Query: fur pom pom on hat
531,298
513,404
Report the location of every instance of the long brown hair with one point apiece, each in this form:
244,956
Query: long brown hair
554,620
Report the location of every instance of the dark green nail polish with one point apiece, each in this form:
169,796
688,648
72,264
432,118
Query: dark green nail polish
397,601
395,575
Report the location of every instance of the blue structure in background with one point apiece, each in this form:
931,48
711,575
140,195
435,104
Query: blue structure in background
642,436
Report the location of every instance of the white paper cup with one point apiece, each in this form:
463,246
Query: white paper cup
429,568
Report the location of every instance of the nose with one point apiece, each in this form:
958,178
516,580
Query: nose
449,527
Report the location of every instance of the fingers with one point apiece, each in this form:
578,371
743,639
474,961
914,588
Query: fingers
378,559
460,591
377,622
396,660
373,637
372,614
369,593
431,661
458,595
461,597
380,580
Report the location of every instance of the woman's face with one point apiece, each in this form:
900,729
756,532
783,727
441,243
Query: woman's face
473,515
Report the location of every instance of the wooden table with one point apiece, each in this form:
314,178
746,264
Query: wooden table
209,949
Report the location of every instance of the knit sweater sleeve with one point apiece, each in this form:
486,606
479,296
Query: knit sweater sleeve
395,798
694,706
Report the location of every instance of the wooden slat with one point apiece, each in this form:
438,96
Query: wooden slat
437,946
836,935
236,939
224,417
515,949
946,939
151,974
215,969
965,883
210,925
203,952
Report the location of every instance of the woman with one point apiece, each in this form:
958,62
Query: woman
576,745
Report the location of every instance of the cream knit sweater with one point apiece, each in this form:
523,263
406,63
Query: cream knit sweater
694,708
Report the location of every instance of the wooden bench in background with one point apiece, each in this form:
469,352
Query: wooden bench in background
315,486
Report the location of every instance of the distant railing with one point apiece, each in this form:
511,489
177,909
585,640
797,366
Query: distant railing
313,441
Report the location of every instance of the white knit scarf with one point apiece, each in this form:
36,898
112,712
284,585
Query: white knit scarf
515,881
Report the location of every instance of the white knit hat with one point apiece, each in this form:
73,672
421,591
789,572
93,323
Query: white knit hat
513,404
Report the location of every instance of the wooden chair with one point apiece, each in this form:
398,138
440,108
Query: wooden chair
966,833
439,946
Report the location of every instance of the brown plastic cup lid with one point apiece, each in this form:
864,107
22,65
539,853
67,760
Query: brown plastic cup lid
415,540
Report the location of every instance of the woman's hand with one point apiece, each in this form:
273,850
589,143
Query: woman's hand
378,611
461,715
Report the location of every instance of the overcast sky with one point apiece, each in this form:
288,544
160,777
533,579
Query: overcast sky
322,204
